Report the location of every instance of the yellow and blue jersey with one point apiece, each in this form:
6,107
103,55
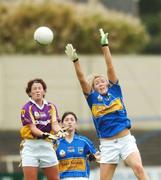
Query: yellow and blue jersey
109,113
72,156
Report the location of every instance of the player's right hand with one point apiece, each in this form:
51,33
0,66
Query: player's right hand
71,52
45,135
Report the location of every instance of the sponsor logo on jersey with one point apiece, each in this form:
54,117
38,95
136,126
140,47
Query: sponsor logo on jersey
72,164
103,109
45,122
36,115
42,114
71,149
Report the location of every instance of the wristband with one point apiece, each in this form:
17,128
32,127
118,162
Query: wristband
75,60
104,45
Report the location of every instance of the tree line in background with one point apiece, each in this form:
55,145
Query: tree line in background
150,13
71,25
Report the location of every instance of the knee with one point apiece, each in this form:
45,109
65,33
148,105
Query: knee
139,170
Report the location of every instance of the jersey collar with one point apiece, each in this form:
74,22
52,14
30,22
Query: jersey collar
40,107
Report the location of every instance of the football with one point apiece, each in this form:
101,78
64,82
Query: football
43,35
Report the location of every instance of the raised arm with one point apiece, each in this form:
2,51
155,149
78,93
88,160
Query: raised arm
55,125
108,59
71,53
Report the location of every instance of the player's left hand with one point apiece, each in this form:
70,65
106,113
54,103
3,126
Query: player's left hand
45,135
97,156
104,39
94,157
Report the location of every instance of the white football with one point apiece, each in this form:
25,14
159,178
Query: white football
43,35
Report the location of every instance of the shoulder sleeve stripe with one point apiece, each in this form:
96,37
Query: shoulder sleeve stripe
89,143
53,113
31,115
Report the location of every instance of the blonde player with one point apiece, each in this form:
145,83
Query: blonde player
104,97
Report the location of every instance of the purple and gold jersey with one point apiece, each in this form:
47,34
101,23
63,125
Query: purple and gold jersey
72,156
42,117
109,113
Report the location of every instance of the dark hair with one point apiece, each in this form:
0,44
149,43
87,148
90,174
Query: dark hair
66,114
31,82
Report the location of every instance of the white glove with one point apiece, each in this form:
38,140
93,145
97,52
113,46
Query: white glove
104,39
47,135
71,52
61,133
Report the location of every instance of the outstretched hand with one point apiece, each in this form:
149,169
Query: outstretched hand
63,132
94,157
104,39
71,52
47,135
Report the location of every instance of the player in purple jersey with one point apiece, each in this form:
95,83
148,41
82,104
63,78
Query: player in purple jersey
39,120
74,151
105,100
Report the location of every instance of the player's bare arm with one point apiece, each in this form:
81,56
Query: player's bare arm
71,53
108,59
60,132
81,77
54,122
37,132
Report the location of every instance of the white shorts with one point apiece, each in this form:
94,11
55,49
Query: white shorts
75,178
112,151
38,153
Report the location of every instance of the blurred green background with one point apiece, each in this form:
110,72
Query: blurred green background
128,33
79,25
